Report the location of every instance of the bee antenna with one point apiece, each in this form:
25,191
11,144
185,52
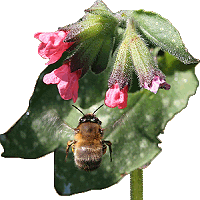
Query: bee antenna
78,109
98,108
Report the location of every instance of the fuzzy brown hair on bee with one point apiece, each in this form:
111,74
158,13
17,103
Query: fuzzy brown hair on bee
88,145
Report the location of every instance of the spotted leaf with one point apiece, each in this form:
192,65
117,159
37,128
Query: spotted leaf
133,131
162,33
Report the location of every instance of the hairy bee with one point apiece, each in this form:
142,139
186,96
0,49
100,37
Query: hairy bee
88,145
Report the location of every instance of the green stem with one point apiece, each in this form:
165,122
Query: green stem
136,184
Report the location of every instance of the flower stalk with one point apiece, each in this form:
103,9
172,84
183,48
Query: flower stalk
136,184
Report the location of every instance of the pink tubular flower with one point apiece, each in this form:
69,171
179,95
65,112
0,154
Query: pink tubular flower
52,45
66,81
116,97
157,83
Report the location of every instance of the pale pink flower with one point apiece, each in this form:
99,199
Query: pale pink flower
66,81
157,83
52,45
116,97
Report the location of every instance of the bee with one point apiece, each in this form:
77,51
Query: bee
88,145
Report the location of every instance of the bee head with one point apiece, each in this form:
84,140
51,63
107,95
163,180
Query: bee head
89,117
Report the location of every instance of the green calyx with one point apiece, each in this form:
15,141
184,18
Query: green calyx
142,59
93,38
98,21
123,65
132,55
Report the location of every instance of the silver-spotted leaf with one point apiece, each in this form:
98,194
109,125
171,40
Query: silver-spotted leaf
161,32
45,126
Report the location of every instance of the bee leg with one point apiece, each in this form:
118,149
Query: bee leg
110,149
104,148
69,143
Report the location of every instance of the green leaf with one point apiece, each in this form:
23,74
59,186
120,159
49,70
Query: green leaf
133,131
162,33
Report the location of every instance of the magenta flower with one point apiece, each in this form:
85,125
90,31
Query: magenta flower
52,45
157,83
66,81
116,97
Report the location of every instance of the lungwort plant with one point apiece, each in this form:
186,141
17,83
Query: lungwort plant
135,62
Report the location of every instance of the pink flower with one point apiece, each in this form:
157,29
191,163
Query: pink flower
157,83
116,97
66,81
52,45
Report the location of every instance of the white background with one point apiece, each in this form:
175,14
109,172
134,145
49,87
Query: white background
174,174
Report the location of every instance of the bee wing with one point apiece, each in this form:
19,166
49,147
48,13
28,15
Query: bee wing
114,124
68,127
69,131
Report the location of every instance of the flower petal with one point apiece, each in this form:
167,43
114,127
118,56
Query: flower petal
51,78
66,81
157,83
54,58
52,45
116,97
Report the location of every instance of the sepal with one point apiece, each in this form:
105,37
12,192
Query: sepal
123,66
93,38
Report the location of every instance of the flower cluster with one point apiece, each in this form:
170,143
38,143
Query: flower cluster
52,47
91,41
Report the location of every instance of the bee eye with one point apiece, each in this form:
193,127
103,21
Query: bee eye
93,119
82,120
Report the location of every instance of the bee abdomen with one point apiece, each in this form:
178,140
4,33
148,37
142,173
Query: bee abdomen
88,158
